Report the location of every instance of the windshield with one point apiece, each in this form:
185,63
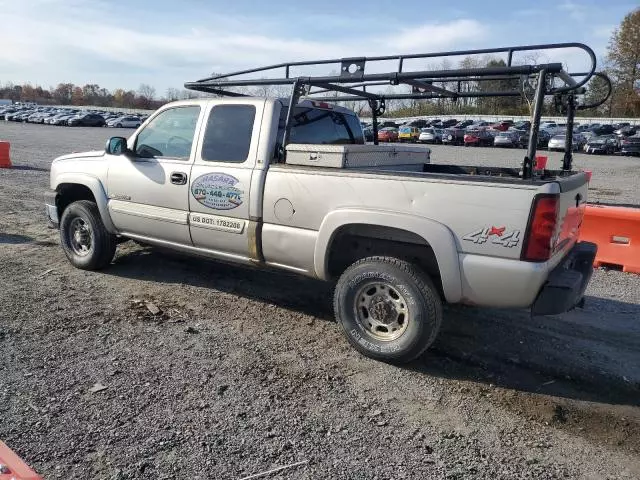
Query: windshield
405,129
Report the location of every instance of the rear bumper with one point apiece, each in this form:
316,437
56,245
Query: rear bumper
566,283
51,209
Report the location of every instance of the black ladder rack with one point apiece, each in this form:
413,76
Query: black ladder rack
353,80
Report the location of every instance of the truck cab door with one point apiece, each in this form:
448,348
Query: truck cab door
148,189
221,178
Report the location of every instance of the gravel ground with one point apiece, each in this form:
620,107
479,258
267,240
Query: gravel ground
242,370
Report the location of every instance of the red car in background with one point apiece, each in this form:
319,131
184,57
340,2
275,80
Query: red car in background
502,126
478,138
388,134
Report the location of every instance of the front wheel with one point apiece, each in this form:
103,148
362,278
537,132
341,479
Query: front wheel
84,238
389,310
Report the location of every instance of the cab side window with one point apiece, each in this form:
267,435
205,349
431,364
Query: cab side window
228,134
169,134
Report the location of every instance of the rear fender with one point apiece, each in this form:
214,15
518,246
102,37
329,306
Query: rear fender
437,235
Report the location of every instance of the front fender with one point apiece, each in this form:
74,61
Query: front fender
437,235
95,185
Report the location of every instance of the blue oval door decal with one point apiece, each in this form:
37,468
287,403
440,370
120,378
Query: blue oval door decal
218,191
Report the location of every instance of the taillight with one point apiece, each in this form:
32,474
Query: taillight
542,225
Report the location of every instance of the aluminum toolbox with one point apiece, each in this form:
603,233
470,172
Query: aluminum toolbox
356,156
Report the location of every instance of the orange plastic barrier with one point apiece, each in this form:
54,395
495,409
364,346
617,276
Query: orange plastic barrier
616,231
12,468
5,160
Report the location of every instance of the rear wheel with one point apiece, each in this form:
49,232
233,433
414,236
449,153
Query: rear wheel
389,310
84,238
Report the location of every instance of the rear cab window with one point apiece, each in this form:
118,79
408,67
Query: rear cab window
322,127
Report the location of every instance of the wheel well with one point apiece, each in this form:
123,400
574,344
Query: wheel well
353,242
72,192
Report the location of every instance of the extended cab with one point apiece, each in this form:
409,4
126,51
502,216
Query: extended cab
247,180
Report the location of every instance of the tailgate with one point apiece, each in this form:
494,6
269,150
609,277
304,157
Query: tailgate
573,200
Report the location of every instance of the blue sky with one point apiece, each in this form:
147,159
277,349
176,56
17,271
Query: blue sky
165,43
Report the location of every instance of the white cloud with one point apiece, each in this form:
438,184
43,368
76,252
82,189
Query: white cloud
428,37
47,41
576,12
603,31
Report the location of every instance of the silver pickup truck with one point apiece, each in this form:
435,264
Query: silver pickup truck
251,181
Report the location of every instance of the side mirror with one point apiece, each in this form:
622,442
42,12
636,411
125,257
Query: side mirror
116,146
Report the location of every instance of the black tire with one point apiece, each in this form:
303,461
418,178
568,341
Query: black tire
119,125
424,308
101,244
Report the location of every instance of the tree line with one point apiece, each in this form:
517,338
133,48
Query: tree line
143,98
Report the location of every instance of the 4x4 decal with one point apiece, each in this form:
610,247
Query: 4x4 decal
496,235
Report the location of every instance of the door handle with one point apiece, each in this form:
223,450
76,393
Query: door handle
178,178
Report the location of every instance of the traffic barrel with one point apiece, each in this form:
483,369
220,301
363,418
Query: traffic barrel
13,468
5,159
616,231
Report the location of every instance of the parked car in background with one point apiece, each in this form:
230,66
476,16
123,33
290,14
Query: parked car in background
463,124
453,136
627,131
448,123
523,125
557,142
603,130
388,123
502,126
388,134
124,122
409,134
368,133
53,118
620,125
63,120
478,138
478,124
510,138
419,123
630,146
603,144
86,120
431,135
543,138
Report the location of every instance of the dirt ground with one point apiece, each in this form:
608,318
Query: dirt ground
242,371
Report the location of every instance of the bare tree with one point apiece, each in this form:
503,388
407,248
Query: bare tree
172,94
